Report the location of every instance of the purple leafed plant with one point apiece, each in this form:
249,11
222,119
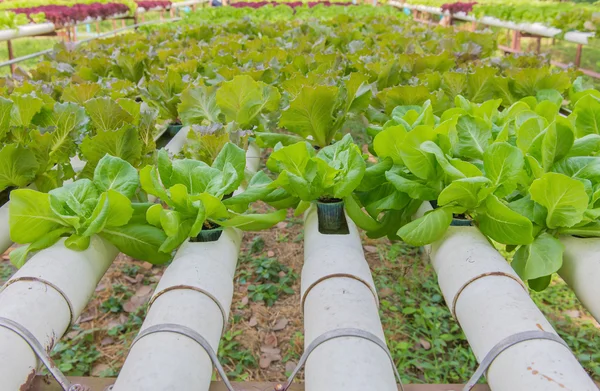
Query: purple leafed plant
62,15
457,7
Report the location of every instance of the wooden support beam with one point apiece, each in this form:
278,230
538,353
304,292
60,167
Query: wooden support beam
578,55
516,43
11,55
44,383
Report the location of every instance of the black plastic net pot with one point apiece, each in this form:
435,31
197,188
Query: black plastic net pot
461,222
332,219
208,235
174,129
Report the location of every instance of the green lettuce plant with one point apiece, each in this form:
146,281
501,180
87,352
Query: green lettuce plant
38,137
122,128
230,112
76,211
163,93
523,175
197,196
331,173
317,113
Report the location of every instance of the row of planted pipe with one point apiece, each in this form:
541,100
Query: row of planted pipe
487,298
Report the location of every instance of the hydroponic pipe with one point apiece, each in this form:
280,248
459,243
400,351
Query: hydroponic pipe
491,303
196,292
337,293
26,31
46,296
581,270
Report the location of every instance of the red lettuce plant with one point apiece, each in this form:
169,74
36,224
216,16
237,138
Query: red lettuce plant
457,7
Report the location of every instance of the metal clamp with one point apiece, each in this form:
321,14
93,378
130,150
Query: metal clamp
49,284
339,333
193,335
41,353
505,344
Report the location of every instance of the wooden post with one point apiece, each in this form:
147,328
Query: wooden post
11,56
539,45
114,24
123,24
578,55
74,33
98,28
516,44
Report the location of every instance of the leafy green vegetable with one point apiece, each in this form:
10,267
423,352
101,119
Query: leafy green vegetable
332,173
197,196
84,208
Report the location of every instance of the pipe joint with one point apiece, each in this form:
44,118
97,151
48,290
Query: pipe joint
192,288
483,275
49,284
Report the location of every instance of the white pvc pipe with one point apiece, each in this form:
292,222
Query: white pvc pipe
252,157
581,271
176,144
536,28
338,292
491,303
187,3
195,291
26,30
45,296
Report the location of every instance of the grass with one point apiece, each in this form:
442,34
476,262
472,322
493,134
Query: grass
428,345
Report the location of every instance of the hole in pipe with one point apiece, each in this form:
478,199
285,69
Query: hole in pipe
5,195
210,233
332,219
457,220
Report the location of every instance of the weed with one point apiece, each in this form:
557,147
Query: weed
132,325
120,289
112,305
282,238
6,271
257,245
75,357
130,270
271,280
268,269
269,293
296,346
234,357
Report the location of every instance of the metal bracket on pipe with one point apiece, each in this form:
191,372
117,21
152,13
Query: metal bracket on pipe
505,344
41,353
333,334
72,319
193,335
